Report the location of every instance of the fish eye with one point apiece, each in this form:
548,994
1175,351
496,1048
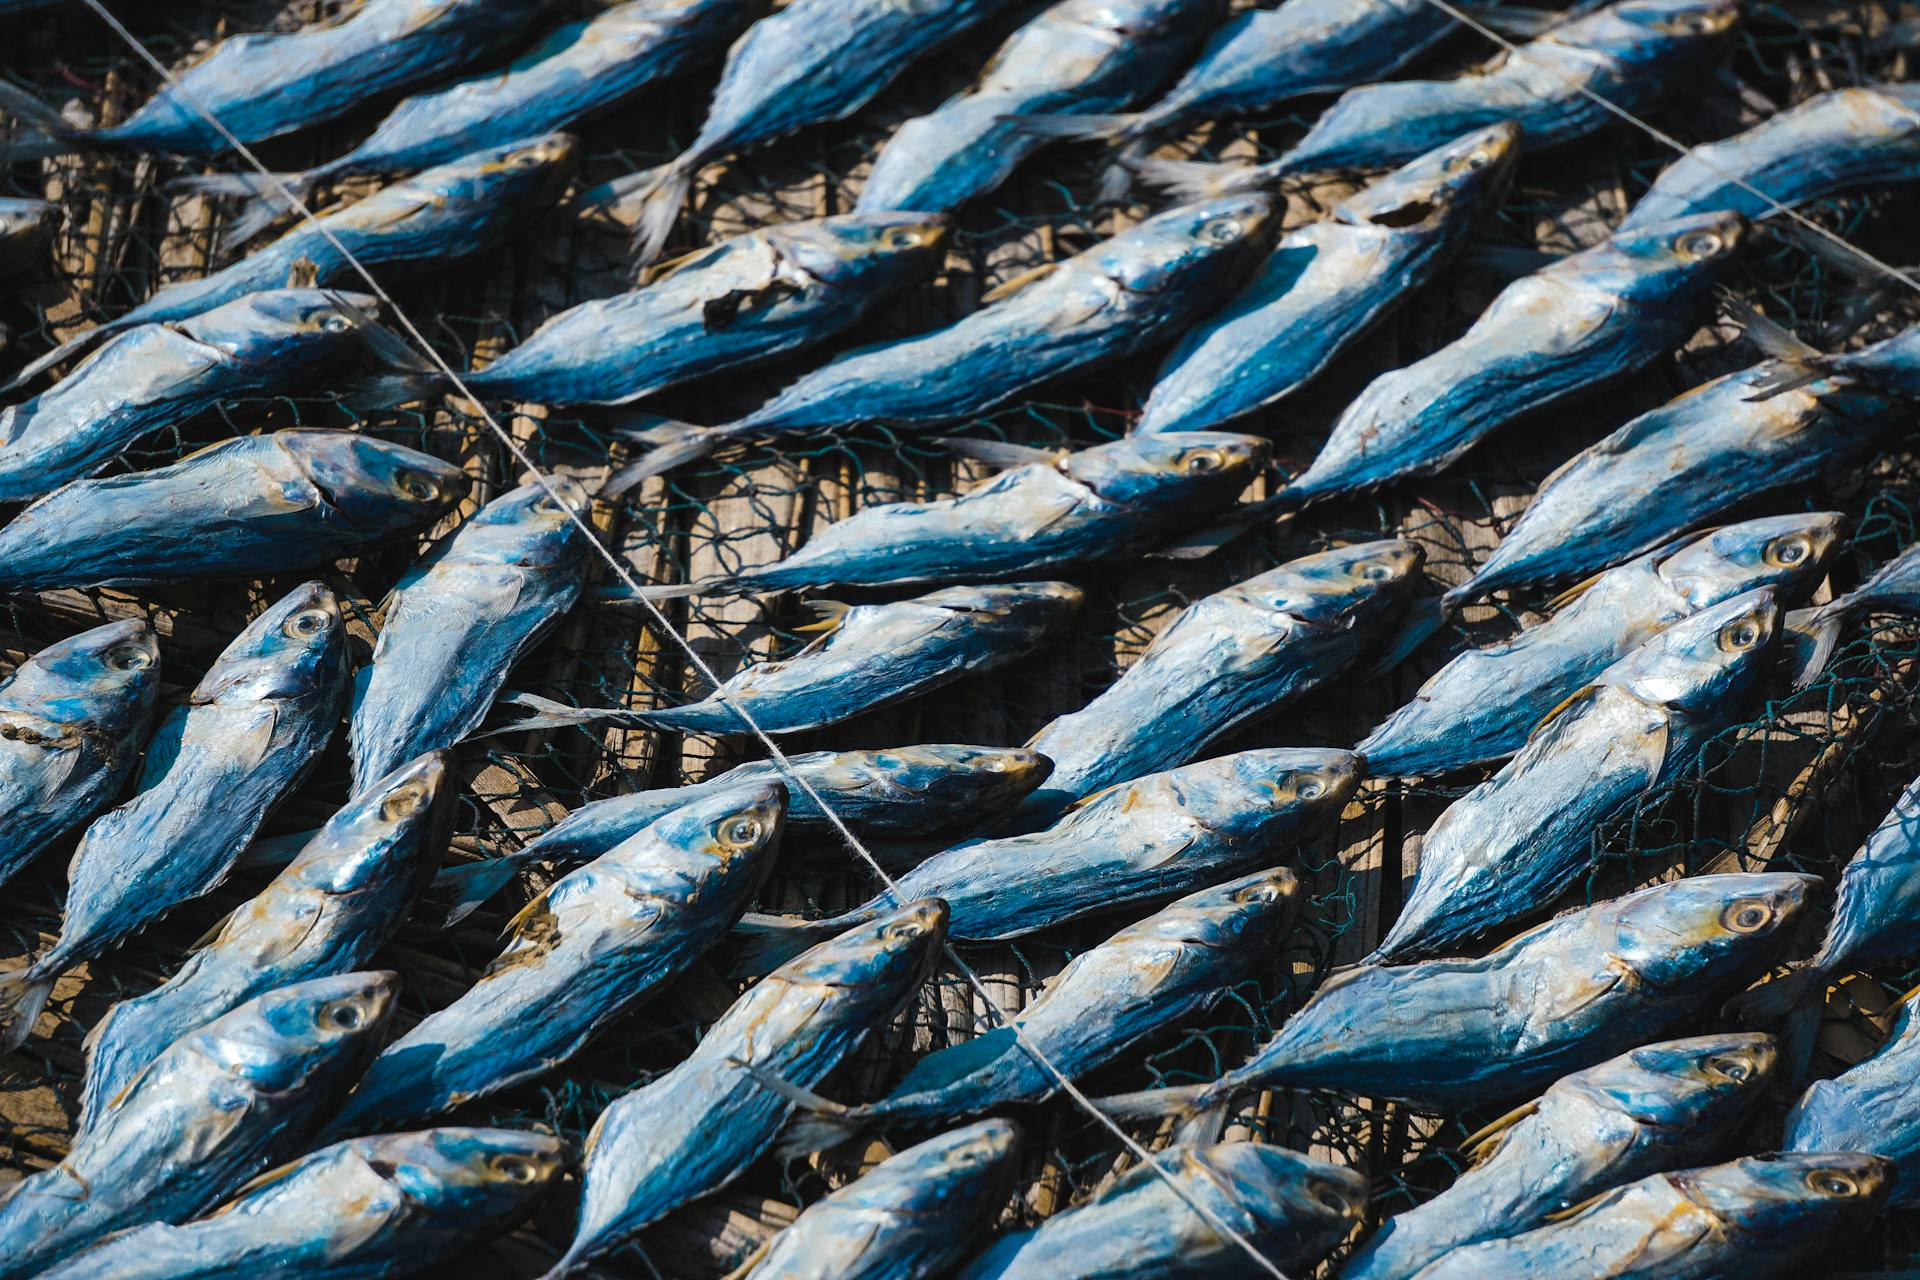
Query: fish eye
526,159
903,238
342,1016
900,931
308,623
1746,916
1474,159
404,803
1332,1198
1735,1069
416,485
1787,552
1742,633
1698,244
1311,789
1201,461
1221,230
997,764
514,1169
1373,570
129,658
1829,1183
334,322
740,832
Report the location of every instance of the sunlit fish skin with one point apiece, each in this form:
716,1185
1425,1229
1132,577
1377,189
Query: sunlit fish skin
580,955
1760,1217
912,1217
1562,996
812,62
1586,320
766,293
1158,836
876,654
695,1129
27,228
1079,56
902,792
1665,1106
1232,655
1146,980
1059,512
1483,705
244,508
1832,142
1111,301
232,1099
1517,841
73,718
1292,1208
264,84
248,733
155,375
460,619
1328,283
1891,365
370,1207
1632,54
578,68
1677,466
344,894
1870,1107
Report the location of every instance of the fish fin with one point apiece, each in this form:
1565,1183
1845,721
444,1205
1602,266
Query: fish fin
1073,128
76,345
1788,375
1575,1210
1000,453
682,443
268,197
1771,1003
1560,708
545,713
1773,338
46,132
267,1179
23,998
621,596
1424,617
660,199
762,943
214,930
461,890
1514,21
534,929
832,613
662,268
1148,1104
375,391
1203,1128
1572,593
1014,284
1810,636
1199,180
820,1123
1480,1145
1209,538
270,853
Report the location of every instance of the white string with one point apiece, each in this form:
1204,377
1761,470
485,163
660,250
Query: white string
625,575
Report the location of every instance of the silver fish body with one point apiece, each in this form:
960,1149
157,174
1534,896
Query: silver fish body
1871,1106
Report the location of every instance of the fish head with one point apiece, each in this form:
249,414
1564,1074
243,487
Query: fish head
945,777
886,955
1787,553
1188,245
396,828
1707,663
373,483
25,219
1468,173
534,526
1703,928
467,1174
1664,20
1172,469
85,678
735,829
1787,1194
1252,911
531,171
1685,1087
293,1035
1663,262
261,326
1292,1197
1253,796
873,250
296,647
966,1166
1032,608
1329,587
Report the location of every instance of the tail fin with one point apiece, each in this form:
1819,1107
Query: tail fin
660,201
1792,1005
1186,1101
460,890
614,597
1424,617
1810,637
41,130
1198,180
820,1123
683,443
268,197
763,943
23,998
1087,128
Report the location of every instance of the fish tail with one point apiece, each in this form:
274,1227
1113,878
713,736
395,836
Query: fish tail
821,1123
578,1254
1423,618
267,197
762,943
1185,1101
1200,180
1792,1006
1079,128
1811,636
677,444
660,200
616,596
1116,180
395,387
460,890
40,130
23,998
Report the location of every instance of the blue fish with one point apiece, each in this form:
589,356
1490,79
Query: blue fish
1632,54
1114,300
1891,365
695,1129
1145,981
901,792
1293,1209
1559,997
264,84
1871,1107
1048,512
1327,284
1233,655
1864,135
579,956
341,898
1772,1217
1484,704
1517,841
1146,840
73,719
575,70
370,1207
248,733
153,376
1579,323
766,293
912,1215
459,620
243,508
1661,1107
232,1099
1813,633
1078,57
27,228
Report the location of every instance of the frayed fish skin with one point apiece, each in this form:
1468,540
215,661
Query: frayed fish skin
1869,1107
365,1208
1517,841
1664,1106
1588,319
1484,703
1327,284
1293,1209
341,898
459,620
1235,654
245,508
695,1129
915,1214
247,735
1859,136
1080,56
878,654
27,229
1680,465
581,955
234,1098
155,375
770,292
1764,1217
73,719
